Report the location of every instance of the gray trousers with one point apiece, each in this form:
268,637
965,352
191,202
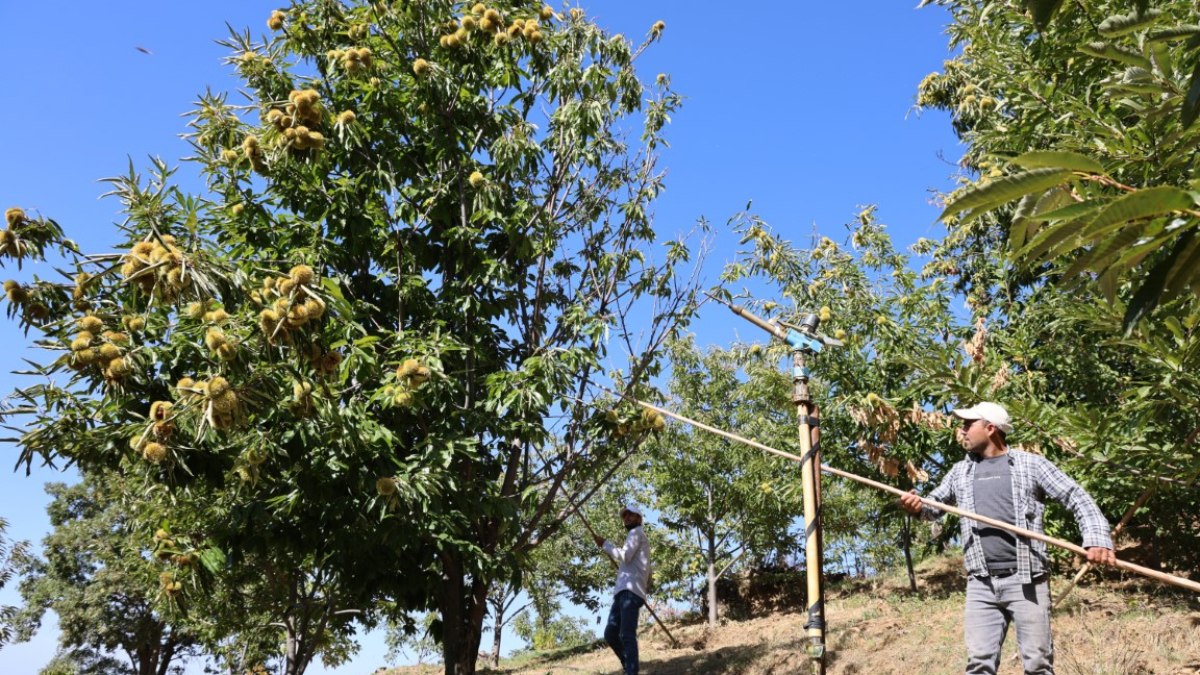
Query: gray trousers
993,603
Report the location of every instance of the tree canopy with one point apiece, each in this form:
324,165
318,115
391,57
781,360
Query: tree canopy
368,339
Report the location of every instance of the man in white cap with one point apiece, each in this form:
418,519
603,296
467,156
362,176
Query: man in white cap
629,594
1006,579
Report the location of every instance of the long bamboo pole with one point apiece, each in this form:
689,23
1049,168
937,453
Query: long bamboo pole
658,621
1116,531
1029,534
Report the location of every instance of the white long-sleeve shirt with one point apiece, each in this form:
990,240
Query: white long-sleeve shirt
633,563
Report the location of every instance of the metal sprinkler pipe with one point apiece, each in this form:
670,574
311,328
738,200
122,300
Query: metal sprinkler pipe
805,341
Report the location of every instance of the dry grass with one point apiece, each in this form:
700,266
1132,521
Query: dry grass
880,627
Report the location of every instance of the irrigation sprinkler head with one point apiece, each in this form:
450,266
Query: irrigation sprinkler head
803,336
807,328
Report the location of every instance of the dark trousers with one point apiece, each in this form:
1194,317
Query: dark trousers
621,631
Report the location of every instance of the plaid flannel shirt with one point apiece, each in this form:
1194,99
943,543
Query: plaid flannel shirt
1033,479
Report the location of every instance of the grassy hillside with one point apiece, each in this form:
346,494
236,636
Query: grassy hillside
880,627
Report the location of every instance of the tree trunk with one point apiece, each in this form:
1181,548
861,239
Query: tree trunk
463,609
292,647
906,534
300,647
476,613
497,629
454,651
146,659
149,655
711,554
712,580
291,662
166,656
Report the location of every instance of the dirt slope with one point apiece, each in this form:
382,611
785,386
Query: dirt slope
880,628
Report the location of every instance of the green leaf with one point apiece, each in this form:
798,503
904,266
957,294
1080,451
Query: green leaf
1074,210
1172,323
1124,24
1191,102
1042,11
1137,89
1108,286
1160,54
1145,203
1058,160
213,559
1150,292
1094,259
1137,81
1104,50
1125,260
1185,269
1025,224
1004,190
1173,33
1022,224
1050,242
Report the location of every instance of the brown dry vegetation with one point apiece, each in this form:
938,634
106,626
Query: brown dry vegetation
879,627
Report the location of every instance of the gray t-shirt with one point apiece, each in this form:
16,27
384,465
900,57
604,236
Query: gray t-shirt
994,499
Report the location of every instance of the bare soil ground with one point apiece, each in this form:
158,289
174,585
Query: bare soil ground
880,627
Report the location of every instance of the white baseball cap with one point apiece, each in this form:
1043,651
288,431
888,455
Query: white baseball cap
993,413
630,508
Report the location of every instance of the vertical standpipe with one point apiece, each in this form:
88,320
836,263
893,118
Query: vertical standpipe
810,479
804,341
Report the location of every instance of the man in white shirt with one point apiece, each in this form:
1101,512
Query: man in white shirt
629,593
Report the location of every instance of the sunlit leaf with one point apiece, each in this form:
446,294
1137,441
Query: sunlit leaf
1123,24
1146,203
1058,160
1104,50
1003,190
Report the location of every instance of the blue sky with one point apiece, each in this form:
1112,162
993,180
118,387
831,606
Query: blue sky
806,109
